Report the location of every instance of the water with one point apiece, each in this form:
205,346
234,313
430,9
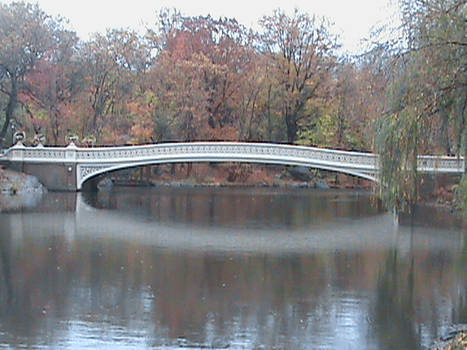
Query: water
168,268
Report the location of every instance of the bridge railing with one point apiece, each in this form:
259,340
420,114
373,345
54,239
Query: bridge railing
220,150
227,150
442,164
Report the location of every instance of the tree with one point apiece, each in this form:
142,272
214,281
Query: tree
357,100
26,34
53,86
427,94
203,62
116,64
301,48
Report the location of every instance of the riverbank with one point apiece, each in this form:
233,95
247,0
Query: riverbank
18,190
13,182
455,339
448,195
238,175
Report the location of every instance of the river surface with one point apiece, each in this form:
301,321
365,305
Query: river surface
218,268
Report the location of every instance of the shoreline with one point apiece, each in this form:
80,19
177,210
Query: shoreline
454,339
430,205
13,183
17,183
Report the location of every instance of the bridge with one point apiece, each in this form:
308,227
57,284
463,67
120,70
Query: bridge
68,168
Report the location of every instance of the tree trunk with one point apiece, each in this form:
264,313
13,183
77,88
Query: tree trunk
269,114
291,123
10,109
444,136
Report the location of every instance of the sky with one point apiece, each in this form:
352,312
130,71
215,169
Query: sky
353,19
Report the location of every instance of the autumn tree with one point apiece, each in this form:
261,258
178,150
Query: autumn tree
115,63
357,101
258,106
301,48
26,35
338,120
204,62
52,88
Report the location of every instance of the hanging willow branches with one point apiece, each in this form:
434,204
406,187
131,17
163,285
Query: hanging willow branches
426,98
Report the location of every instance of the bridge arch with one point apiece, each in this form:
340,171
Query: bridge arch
99,171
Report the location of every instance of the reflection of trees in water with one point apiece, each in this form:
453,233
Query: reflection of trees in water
394,308
415,295
215,298
239,208
198,296
28,285
230,294
6,293
460,313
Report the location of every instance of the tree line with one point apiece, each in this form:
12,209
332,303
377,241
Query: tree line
200,78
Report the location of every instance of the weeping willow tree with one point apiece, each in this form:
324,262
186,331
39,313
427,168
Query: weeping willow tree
427,96
401,135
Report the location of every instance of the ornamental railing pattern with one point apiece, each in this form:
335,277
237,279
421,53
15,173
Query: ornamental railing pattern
98,159
238,150
135,153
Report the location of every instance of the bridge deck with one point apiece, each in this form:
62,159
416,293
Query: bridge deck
86,163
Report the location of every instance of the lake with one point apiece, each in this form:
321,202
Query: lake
226,268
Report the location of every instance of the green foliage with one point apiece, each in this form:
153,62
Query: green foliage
320,135
397,143
426,97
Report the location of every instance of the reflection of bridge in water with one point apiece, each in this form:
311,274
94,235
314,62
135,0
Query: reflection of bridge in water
68,168
111,272
373,232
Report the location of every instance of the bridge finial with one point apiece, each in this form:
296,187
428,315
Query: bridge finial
39,140
73,139
18,137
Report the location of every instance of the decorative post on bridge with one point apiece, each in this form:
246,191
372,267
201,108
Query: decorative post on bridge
39,140
70,153
70,164
17,151
18,137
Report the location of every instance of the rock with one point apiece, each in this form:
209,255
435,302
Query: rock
18,190
455,338
321,185
12,182
300,173
105,184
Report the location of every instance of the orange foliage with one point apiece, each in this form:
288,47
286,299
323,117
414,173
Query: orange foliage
199,78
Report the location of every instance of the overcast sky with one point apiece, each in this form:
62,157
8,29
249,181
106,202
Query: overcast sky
353,19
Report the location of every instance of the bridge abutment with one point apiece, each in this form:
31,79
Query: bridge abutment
430,184
54,176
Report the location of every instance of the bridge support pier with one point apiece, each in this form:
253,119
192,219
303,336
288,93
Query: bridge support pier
54,176
431,183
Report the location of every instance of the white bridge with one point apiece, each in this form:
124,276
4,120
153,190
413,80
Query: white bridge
68,168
